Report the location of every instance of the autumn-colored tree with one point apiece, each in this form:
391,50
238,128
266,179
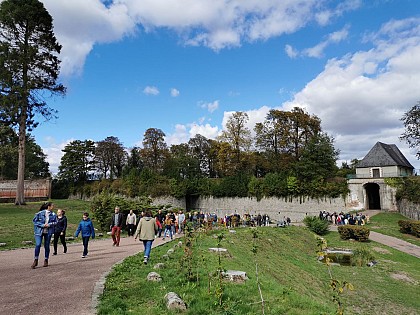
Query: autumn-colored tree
200,149
237,135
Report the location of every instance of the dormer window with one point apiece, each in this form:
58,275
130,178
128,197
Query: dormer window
376,172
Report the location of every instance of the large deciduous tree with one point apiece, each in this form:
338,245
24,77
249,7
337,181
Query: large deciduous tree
237,134
29,68
411,135
110,157
154,151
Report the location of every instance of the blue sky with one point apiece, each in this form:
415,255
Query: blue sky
184,66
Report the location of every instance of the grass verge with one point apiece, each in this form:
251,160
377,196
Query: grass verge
292,280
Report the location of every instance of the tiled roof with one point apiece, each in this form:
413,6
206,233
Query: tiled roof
384,155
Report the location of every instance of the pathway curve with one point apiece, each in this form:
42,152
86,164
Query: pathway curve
66,285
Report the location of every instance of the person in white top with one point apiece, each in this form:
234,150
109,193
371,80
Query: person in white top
131,222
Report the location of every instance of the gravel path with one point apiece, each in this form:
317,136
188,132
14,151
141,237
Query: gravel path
66,286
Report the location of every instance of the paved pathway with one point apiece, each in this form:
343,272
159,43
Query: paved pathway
66,286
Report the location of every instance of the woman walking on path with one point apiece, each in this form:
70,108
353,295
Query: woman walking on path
44,222
146,231
60,230
168,227
86,227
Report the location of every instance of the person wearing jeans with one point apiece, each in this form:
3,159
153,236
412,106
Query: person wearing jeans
116,226
44,222
146,231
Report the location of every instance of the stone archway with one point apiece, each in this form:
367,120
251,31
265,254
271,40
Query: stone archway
373,199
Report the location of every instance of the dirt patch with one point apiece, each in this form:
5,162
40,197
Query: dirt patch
403,277
381,250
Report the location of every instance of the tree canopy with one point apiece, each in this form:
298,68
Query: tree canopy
411,135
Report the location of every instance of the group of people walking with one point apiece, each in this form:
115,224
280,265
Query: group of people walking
48,224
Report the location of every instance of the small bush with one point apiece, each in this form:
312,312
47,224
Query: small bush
316,225
410,227
362,256
356,232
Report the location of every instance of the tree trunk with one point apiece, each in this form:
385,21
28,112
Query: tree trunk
20,186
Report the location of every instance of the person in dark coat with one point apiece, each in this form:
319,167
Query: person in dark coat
60,230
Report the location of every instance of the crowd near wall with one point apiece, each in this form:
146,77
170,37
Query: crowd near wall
294,208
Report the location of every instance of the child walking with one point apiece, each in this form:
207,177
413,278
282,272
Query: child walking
86,227
168,227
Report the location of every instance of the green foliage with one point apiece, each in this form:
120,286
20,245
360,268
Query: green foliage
103,206
411,120
410,227
233,186
410,189
316,225
362,256
356,232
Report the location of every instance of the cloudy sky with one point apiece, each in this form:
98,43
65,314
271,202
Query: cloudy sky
184,66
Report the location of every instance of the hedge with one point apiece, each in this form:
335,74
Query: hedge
410,227
356,232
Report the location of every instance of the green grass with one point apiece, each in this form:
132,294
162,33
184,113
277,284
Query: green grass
387,223
292,280
16,221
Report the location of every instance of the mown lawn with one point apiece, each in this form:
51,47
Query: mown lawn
16,221
292,280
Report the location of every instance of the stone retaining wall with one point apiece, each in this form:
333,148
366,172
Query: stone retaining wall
277,208
409,209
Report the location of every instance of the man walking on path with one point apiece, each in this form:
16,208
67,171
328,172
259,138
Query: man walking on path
116,226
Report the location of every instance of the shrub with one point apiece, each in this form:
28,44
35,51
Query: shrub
356,232
316,225
410,227
362,256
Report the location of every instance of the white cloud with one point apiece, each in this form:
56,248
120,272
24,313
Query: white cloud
179,136
54,153
364,94
151,90
211,107
317,51
174,92
183,133
206,130
81,24
291,52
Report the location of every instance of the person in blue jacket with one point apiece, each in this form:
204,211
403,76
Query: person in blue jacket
87,229
44,221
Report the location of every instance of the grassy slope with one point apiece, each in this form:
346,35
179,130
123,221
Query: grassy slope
292,280
16,221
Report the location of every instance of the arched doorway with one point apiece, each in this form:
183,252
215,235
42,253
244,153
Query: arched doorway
373,199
